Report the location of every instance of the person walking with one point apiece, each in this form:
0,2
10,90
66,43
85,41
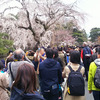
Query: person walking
92,71
94,55
56,57
61,56
86,53
74,67
50,75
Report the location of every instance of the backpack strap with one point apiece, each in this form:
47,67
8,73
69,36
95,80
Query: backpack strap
97,65
70,68
11,72
79,68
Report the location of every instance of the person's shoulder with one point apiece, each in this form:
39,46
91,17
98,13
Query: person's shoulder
60,53
82,68
20,62
43,61
92,63
59,59
3,76
58,62
16,63
67,68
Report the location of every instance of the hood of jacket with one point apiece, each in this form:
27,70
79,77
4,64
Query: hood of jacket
18,94
50,62
97,61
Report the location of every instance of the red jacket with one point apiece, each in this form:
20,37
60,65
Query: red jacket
82,53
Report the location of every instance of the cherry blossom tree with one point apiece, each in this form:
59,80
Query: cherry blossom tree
63,37
38,18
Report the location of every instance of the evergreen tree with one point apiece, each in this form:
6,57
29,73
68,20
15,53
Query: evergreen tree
5,43
94,34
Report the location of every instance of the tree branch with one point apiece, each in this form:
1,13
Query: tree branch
36,1
26,28
30,26
5,2
37,20
54,20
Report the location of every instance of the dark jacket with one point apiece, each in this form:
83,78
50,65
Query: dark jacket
60,61
35,64
93,57
50,73
16,94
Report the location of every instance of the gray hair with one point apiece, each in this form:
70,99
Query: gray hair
18,54
85,43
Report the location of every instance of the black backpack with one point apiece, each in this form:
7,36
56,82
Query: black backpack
75,83
97,77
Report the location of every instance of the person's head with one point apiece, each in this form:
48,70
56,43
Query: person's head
41,51
77,48
10,51
26,78
49,53
84,44
30,53
19,54
96,49
75,57
49,46
98,52
1,65
55,53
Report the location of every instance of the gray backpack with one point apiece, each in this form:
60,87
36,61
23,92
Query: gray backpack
97,77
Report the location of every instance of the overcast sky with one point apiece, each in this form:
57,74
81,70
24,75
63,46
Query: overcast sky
91,7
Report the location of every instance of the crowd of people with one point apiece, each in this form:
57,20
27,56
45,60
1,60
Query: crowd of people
50,73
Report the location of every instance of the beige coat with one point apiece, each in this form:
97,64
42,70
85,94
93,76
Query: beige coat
65,74
61,55
3,83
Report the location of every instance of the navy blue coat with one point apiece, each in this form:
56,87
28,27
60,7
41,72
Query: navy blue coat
85,60
16,94
50,73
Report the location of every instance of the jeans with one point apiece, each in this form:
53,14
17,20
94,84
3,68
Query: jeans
96,95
